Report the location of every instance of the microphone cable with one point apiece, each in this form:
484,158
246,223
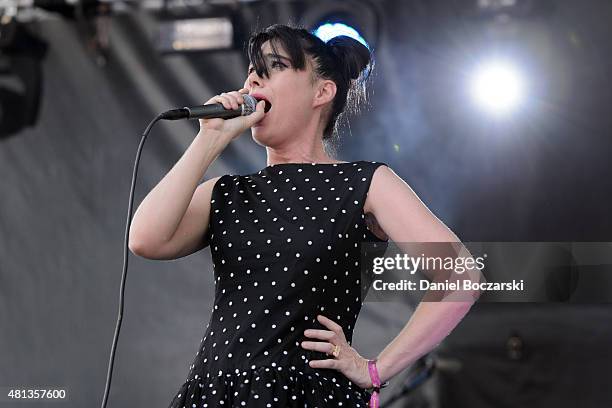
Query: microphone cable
203,111
111,361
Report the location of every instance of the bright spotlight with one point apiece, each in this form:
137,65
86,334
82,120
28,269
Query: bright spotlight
328,31
497,86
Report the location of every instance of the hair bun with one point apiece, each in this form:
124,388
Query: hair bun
354,56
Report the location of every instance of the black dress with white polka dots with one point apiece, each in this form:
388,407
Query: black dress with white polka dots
286,246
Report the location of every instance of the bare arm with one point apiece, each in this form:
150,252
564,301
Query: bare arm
404,218
172,219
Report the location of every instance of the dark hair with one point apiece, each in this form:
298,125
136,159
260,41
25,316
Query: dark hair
342,59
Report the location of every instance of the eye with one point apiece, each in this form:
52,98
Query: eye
274,64
278,63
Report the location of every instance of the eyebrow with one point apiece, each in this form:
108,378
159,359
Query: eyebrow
275,56
278,56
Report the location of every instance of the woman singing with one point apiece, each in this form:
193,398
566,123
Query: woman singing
285,241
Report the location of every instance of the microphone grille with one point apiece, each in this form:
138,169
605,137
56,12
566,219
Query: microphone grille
249,105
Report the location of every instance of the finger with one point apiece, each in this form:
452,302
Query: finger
319,334
231,99
327,363
322,346
224,101
330,324
256,116
260,106
238,97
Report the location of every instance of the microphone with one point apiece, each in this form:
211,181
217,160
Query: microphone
214,110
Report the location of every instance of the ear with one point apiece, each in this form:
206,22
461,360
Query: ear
326,90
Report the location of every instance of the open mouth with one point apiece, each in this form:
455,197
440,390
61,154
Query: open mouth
261,97
268,106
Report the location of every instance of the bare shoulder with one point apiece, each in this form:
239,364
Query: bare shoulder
200,203
208,185
382,178
203,193
398,210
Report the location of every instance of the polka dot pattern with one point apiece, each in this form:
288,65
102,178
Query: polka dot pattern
285,244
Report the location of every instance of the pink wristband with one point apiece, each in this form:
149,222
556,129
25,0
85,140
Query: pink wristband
374,398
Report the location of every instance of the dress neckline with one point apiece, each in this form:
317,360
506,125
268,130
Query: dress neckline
309,163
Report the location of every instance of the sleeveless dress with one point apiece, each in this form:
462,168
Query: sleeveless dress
286,245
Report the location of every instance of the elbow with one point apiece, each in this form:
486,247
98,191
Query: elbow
146,249
137,247
138,242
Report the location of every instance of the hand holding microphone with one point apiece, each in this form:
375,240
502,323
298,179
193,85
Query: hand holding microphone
234,103
230,112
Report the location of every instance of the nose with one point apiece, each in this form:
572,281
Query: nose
253,80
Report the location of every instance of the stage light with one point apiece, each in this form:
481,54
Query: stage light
219,29
358,19
21,55
195,34
328,31
497,86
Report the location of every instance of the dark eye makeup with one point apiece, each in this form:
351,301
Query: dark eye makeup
274,63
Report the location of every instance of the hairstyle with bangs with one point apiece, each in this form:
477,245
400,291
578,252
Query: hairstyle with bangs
342,59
